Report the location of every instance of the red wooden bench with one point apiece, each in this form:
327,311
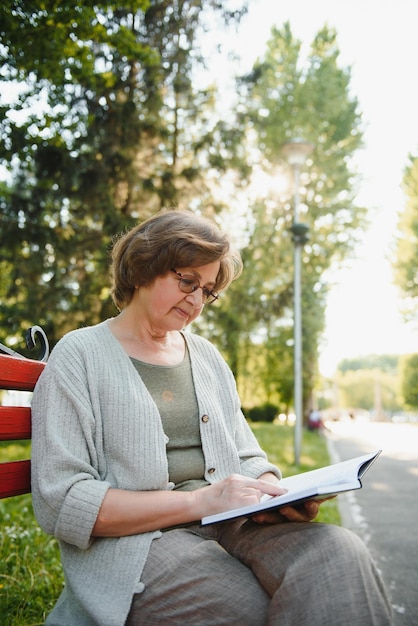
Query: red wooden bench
19,374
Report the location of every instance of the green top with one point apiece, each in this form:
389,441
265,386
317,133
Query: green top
172,390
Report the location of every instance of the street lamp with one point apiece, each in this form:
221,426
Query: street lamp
296,152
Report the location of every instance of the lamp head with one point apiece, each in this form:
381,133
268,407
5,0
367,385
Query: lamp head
297,151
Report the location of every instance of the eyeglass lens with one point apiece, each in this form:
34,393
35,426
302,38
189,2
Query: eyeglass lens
190,285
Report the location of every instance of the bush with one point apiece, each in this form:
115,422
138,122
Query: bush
263,413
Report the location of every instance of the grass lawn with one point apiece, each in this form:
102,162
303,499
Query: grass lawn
30,572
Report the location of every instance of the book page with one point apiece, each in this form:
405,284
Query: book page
325,481
345,472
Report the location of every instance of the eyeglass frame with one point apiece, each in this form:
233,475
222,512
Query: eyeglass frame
208,296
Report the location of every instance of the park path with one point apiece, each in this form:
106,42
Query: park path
385,512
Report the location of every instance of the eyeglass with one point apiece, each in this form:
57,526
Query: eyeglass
189,284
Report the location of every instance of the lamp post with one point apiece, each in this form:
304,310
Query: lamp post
296,152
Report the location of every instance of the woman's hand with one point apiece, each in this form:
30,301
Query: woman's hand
130,512
305,512
126,512
234,492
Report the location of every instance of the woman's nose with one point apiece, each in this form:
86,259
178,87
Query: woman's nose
196,297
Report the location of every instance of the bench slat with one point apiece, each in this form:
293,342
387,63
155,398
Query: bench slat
15,423
16,374
19,374
14,478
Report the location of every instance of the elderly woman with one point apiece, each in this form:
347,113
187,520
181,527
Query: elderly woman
138,434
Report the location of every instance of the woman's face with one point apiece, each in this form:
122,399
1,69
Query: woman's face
169,308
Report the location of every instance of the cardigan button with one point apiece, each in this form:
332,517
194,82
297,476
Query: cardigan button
212,470
205,419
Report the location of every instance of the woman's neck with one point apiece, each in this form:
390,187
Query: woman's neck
148,344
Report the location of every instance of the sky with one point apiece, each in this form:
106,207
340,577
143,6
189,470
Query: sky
377,39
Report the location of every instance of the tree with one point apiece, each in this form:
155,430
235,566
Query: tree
285,97
106,129
406,261
114,127
388,363
370,389
410,380
246,326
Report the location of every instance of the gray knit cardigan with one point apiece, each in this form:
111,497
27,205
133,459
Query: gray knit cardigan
95,426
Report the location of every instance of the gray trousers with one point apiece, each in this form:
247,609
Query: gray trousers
242,573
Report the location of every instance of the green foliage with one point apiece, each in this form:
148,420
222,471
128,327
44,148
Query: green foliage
264,413
406,260
384,385
410,380
371,390
106,127
371,383
286,96
383,362
31,577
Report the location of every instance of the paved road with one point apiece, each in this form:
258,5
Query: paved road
385,512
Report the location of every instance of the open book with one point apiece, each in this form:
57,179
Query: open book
318,484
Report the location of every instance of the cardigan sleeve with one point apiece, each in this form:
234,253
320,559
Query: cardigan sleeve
95,426
66,484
